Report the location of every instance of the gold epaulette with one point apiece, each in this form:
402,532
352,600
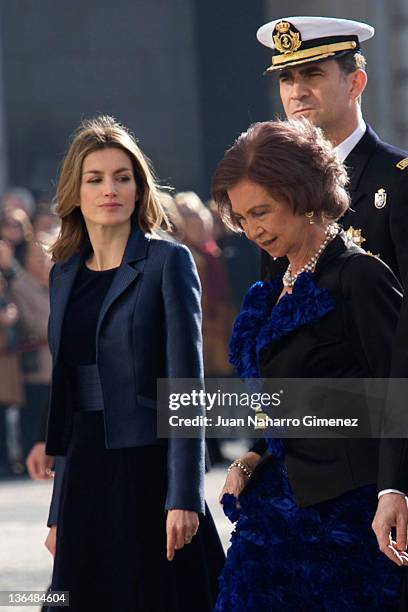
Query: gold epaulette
402,164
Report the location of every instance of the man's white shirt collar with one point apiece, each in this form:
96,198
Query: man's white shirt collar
344,149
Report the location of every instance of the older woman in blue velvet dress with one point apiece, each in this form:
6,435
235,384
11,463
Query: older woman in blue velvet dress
303,537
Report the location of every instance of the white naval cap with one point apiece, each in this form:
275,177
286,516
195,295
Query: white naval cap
297,40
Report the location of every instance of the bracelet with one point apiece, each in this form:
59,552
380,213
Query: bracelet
242,466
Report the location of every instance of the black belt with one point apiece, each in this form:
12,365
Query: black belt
86,387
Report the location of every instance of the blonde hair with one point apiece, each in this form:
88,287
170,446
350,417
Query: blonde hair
102,132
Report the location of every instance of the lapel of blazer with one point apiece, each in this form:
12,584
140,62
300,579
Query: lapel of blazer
64,277
357,161
136,250
62,282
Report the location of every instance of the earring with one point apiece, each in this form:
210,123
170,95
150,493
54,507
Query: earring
310,215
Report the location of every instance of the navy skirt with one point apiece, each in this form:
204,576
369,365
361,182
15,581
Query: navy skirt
323,558
111,536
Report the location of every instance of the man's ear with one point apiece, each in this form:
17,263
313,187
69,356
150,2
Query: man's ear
358,83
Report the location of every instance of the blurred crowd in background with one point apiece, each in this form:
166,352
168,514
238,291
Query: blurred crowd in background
227,264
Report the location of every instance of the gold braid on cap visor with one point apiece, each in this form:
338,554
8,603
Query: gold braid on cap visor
307,55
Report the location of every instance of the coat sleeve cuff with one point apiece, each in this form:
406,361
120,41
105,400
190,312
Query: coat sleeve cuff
185,466
59,469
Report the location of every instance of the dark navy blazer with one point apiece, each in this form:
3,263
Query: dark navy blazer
149,327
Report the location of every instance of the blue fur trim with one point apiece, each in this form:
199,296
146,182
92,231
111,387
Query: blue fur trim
262,321
229,506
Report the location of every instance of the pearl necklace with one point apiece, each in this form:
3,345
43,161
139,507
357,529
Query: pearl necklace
289,279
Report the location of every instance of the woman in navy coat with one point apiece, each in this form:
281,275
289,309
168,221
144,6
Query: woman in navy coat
127,523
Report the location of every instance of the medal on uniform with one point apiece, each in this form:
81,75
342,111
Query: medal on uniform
355,236
261,419
380,198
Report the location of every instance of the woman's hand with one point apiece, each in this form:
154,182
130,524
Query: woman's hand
181,527
39,465
234,484
51,540
236,479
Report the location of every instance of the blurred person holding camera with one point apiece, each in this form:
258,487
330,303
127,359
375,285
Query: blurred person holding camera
216,297
26,266
19,198
28,287
11,383
218,312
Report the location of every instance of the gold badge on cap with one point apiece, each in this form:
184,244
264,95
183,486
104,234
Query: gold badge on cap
286,37
380,198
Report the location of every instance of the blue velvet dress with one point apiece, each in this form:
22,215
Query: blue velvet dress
284,558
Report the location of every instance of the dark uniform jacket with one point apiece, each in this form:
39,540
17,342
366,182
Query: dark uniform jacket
379,200
378,222
340,344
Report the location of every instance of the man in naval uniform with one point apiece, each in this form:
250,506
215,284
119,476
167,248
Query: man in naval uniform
321,77
321,73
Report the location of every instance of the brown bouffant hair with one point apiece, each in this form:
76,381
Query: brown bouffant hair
291,160
102,132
